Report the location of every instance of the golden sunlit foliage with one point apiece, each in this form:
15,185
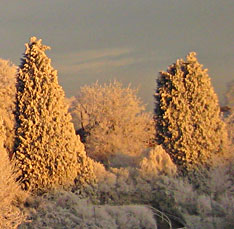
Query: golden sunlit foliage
155,162
133,183
111,120
10,215
187,115
47,150
7,99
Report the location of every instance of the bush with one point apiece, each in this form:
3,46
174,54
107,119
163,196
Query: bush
208,205
66,210
178,200
155,162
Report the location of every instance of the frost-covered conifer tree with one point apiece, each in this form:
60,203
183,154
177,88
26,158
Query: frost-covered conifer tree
47,150
7,100
187,115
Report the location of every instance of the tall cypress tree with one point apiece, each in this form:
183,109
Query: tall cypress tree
47,150
187,115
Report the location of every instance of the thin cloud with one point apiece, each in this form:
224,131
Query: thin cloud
97,65
96,60
89,55
98,54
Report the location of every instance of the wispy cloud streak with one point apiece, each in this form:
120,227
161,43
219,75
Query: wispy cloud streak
96,60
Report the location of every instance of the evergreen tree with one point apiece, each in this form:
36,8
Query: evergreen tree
187,115
47,150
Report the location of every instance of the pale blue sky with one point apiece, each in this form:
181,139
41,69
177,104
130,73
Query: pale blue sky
127,40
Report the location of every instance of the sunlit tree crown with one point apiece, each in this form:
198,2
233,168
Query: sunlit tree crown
187,114
112,120
47,150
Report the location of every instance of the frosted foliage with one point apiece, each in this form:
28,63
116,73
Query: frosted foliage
7,99
187,114
10,216
156,162
103,176
111,120
48,152
66,210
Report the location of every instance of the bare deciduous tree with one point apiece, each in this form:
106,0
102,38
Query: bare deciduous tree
111,120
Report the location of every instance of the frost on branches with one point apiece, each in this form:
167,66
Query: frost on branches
155,162
187,115
10,215
7,100
47,150
112,121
